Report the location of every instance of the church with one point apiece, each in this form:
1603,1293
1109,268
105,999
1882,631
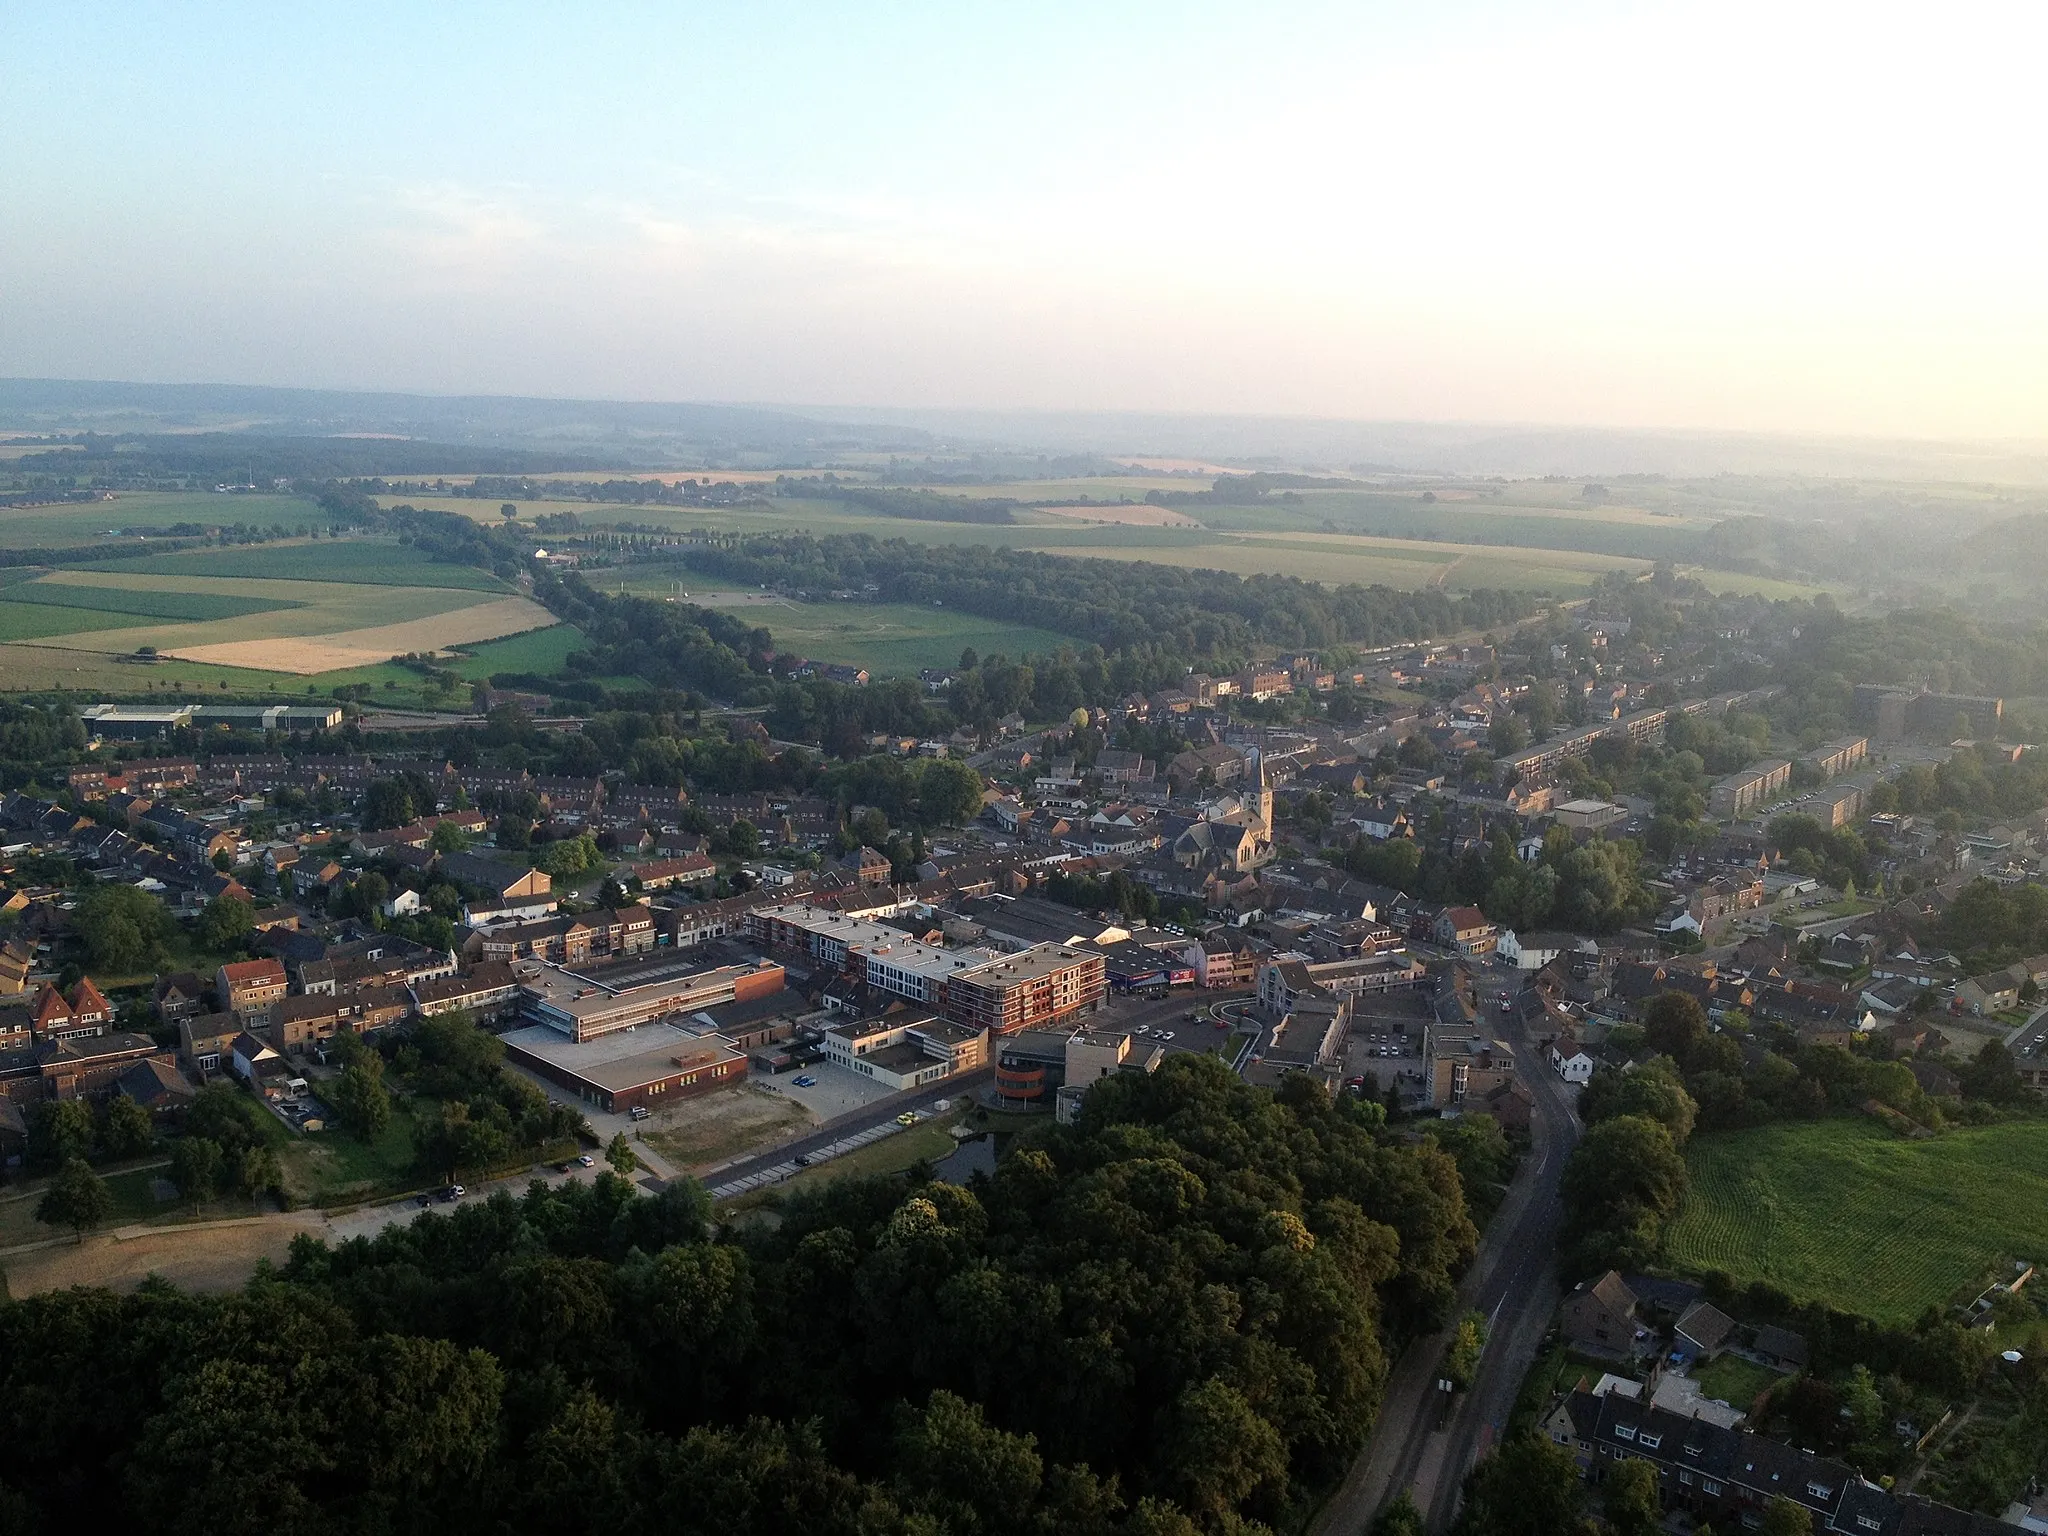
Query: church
1235,832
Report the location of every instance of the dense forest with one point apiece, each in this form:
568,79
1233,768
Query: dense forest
1174,1316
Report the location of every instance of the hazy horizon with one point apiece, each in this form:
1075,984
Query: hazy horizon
1804,220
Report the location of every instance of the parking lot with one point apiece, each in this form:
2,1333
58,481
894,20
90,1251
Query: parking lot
829,1091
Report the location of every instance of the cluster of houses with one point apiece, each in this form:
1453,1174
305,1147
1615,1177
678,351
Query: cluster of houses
1710,1462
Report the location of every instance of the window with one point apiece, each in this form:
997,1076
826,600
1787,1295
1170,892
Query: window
1650,1442
1709,1486
1685,1477
1869,1522
1624,1431
1819,1491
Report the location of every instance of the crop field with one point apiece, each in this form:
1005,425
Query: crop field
251,633
92,522
367,562
1841,1211
141,602
307,654
35,621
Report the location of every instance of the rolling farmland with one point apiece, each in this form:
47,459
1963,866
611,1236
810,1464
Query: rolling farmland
224,617
367,562
1554,550
1842,1211
142,602
75,523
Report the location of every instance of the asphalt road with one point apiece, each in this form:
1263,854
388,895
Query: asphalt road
1513,1283
838,1128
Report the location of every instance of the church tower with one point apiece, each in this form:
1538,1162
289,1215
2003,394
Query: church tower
1260,799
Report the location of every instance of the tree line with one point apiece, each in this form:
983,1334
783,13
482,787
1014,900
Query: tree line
1170,1318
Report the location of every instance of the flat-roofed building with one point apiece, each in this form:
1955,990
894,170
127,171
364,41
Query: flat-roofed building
587,1004
1027,990
1466,1068
652,1066
1745,790
1833,758
1589,815
914,970
906,1050
826,937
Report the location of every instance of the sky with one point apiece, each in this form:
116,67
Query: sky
1787,216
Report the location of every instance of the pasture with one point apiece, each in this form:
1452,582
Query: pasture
539,650
889,639
1843,1212
93,522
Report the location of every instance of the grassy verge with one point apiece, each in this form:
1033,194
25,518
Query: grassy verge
927,1141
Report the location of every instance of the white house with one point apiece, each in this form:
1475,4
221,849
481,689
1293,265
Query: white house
1534,951
1571,1063
402,904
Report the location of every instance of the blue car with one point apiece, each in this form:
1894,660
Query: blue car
806,1081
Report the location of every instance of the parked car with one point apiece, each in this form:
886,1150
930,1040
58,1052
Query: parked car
638,1112
806,1081
586,1161
906,1118
453,1193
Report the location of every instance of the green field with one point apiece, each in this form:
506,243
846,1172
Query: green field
889,639
146,604
36,621
93,522
538,650
1842,1211
368,562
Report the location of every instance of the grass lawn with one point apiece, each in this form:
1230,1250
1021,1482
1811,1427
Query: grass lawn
330,1168
133,1202
1734,1380
1841,1211
927,1141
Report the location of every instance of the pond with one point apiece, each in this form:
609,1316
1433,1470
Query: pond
975,1155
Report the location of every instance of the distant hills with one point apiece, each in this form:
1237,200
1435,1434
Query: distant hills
624,434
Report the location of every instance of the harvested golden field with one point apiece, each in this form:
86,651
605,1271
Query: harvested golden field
306,654
1139,514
